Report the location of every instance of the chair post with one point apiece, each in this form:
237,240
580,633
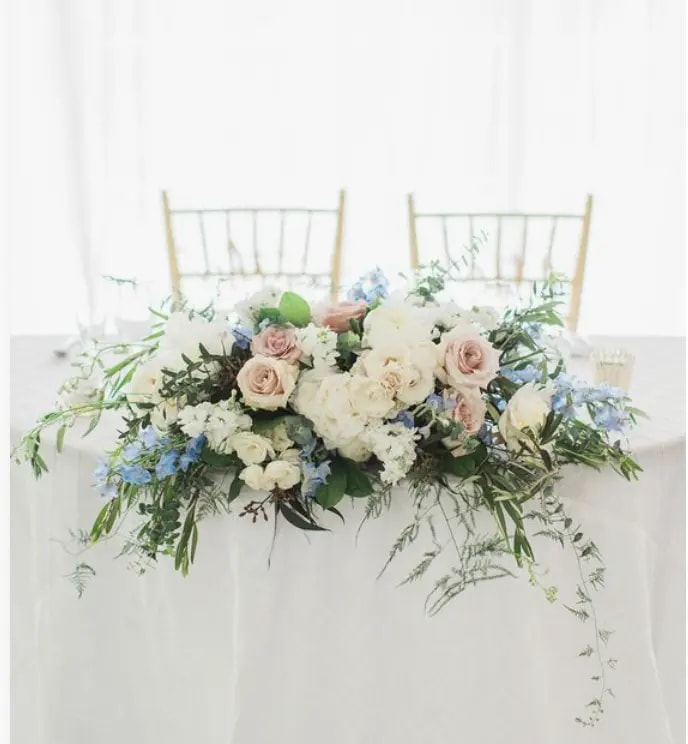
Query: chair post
338,242
413,238
577,287
171,252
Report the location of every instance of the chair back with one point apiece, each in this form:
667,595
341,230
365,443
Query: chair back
241,249
515,248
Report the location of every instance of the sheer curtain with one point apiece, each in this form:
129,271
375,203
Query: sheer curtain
515,104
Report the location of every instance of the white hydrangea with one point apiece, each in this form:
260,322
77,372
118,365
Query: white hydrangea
449,315
184,336
397,319
218,421
317,344
247,310
394,446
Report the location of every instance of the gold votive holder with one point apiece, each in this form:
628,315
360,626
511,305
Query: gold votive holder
614,367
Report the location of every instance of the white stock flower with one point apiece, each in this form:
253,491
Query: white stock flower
394,445
397,320
218,421
184,335
527,409
317,344
251,448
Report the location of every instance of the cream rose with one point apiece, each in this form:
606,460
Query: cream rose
267,383
254,477
369,398
282,474
251,448
527,409
468,358
278,342
407,371
338,317
278,437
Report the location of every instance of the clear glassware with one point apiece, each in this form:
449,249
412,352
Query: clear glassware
613,366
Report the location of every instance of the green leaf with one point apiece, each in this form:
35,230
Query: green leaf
297,520
60,437
216,459
358,484
295,309
462,466
270,313
332,492
235,488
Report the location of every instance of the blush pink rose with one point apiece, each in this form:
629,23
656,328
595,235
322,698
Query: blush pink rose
468,358
266,382
469,409
337,317
278,342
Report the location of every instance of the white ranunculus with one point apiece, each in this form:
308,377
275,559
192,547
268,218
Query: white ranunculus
527,409
184,335
398,320
282,474
145,384
251,448
369,398
254,477
355,450
164,414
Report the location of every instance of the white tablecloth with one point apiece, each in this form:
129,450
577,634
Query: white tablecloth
315,649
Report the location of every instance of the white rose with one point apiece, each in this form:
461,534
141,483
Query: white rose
282,474
290,455
251,448
355,450
184,335
527,409
369,398
254,477
407,371
419,383
145,384
397,319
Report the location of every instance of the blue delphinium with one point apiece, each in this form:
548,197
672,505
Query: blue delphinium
610,418
530,373
313,476
242,336
192,452
370,287
137,475
132,451
406,418
434,401
167,465
149,437
102,476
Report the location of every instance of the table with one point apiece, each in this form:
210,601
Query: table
315,648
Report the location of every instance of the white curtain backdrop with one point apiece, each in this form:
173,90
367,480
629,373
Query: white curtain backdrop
514,104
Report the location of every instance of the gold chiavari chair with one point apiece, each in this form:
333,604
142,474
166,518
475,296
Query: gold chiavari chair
249,247
500,263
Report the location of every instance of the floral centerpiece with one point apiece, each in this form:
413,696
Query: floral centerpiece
286,409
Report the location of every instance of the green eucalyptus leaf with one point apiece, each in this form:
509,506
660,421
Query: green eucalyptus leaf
332,491
295,309
235,488
357,482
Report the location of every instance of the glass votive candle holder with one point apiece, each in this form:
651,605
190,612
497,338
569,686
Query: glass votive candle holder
613,366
